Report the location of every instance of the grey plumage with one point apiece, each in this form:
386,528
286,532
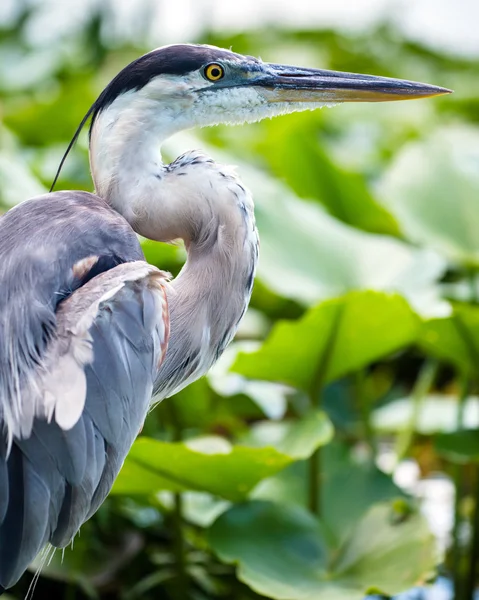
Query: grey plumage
52,480
40,242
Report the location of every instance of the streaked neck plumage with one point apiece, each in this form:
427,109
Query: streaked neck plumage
192,198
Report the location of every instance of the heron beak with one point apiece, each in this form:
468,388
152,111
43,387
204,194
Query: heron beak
283,83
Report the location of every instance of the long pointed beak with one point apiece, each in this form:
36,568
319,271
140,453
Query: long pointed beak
283,83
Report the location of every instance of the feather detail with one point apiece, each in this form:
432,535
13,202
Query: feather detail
63,386
95,388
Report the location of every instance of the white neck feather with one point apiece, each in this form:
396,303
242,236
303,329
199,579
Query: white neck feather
197,200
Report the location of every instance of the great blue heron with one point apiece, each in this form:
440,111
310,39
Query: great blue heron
88,330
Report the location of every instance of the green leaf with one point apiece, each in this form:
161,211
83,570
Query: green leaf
350,485
297,439
282,552
36,121
296,155
192,407
198,508
211,464
221,470
332,339
308,255
271,398
455,339
459,447
389,550
433,187
164,256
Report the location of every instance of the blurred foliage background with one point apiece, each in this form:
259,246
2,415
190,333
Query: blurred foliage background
333,452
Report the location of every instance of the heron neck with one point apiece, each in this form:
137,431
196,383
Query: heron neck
210,294
201,202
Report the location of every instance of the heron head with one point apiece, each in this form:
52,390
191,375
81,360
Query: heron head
197,85
182,86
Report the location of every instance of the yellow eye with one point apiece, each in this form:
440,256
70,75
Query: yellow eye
214,72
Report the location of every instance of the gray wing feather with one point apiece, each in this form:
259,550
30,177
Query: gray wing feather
29,501
119,384
40,242
52,480
56,479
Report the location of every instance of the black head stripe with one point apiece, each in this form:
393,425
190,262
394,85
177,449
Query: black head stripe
179,59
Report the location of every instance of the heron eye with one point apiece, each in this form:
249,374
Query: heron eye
214,72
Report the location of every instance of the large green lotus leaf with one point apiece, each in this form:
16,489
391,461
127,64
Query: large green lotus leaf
308,255
281,552
212,464
442,339
218,468
294,151
297,439
349,485
433,190
454,339
388,551
332,339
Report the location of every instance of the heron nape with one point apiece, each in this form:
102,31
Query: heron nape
89,331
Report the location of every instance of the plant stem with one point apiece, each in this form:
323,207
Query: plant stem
470,579
364,404
423,384
460,574
179,541
471,277
179,545
315,482
315,391
465,565
457,562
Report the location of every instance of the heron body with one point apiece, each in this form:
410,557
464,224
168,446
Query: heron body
89,332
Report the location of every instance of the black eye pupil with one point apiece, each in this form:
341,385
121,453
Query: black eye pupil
213,72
